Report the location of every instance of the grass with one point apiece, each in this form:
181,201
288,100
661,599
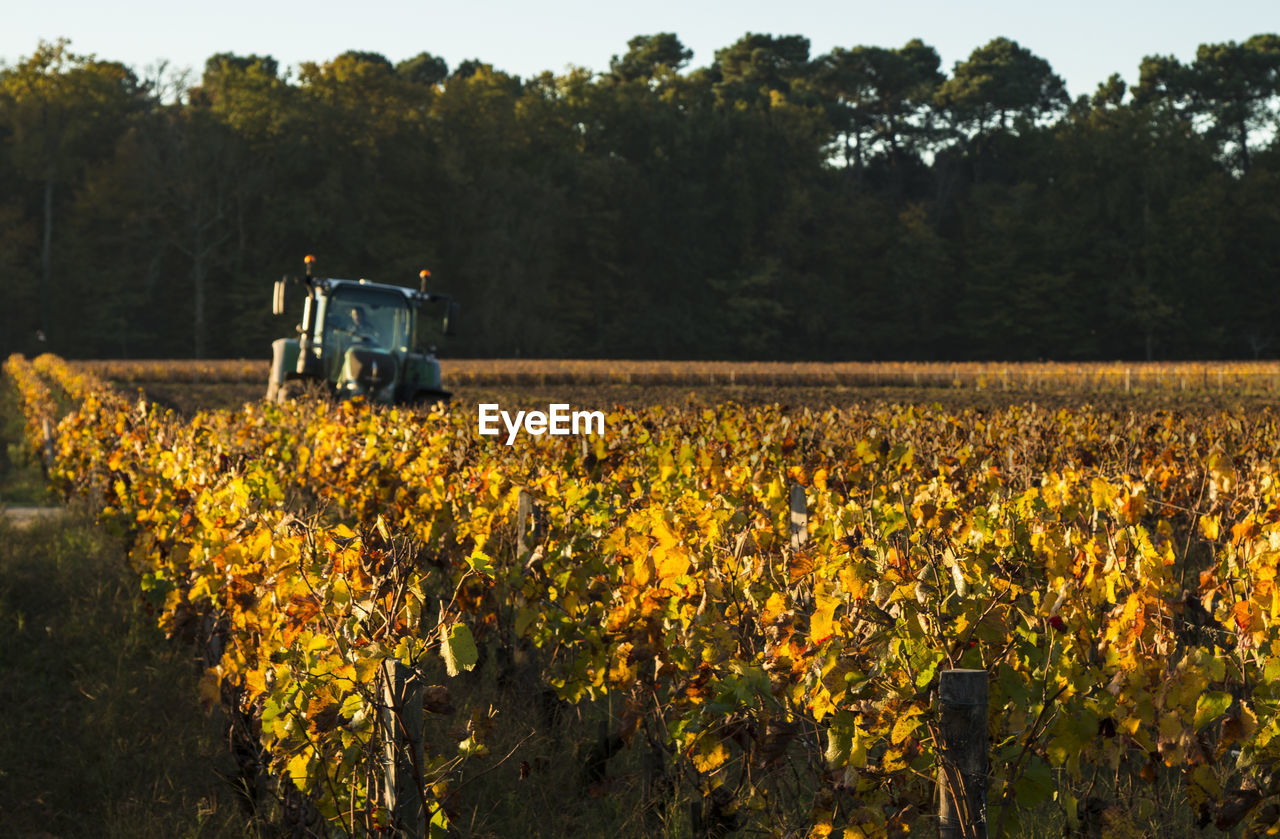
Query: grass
100,734
21,479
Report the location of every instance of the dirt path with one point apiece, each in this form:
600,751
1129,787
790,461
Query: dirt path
23,517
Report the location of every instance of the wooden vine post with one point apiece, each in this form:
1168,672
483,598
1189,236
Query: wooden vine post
524,513
799,517
962,755
531,524
401,724
46,428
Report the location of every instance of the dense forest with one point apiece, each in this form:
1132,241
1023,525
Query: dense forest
863,204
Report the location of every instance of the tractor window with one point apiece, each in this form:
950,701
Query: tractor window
428,331
360,315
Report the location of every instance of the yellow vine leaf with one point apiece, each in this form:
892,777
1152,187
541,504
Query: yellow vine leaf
458,648
298,769
822,624
708,754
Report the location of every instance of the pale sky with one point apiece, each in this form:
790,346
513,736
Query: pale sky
1085,41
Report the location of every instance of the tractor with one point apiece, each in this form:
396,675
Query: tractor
359,338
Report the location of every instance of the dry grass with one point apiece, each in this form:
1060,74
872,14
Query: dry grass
1102,377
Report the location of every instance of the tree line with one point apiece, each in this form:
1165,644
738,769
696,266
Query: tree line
861,204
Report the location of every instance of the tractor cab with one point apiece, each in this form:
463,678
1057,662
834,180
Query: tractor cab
360,339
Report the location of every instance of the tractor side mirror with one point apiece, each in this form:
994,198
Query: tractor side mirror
451,311
278,298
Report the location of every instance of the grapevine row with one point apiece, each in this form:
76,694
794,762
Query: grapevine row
1114,574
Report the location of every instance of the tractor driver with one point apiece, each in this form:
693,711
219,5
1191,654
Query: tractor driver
360,328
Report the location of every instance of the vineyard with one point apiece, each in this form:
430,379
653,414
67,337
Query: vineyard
348,572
